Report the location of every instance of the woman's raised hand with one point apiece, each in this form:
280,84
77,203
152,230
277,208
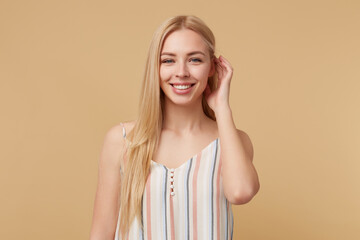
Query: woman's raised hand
218,100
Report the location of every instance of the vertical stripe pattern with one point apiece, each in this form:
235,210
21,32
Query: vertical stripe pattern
198,209
164,212
186,193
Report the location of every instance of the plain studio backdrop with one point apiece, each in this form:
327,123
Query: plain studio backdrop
70,70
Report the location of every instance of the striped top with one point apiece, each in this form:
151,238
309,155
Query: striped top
186,202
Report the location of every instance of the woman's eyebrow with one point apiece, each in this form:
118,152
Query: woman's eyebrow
189,54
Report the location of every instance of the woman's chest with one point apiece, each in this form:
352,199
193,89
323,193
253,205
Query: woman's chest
175,156
198,176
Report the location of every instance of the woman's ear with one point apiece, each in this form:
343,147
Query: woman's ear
212,69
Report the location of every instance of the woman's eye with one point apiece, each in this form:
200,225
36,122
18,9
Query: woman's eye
196,60
167,61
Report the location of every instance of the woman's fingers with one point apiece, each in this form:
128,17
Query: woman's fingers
224,69
226,63
227,66
219,68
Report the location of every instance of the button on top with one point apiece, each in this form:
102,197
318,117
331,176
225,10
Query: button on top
172,193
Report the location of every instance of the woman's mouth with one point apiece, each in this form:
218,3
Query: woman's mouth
182,88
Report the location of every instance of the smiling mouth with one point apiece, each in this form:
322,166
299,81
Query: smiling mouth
182,86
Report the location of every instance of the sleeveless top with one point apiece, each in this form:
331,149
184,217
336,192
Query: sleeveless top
186,202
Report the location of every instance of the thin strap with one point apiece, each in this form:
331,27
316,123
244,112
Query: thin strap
124,131
124,135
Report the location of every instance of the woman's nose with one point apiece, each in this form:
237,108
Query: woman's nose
182,70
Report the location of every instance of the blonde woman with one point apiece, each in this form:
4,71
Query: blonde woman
175,171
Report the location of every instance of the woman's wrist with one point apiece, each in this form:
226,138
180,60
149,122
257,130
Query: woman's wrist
224,110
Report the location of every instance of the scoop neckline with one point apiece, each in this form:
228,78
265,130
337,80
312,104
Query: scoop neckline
187,161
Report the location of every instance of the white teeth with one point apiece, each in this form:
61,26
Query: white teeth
181,86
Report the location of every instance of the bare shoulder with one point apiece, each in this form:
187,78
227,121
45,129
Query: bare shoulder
247,143
129,125
115,136
113,146
114,142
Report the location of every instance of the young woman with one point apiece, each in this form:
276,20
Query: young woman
175,171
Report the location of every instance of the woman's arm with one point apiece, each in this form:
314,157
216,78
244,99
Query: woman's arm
240,178
106,206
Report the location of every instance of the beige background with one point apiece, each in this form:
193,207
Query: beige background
70,70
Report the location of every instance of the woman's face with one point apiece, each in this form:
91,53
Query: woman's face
185,66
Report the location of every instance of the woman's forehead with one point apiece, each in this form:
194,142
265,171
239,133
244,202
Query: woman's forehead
184,41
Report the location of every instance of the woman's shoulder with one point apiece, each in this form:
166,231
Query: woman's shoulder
128,125
115,134
114,142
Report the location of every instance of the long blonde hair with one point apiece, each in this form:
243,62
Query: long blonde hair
144,137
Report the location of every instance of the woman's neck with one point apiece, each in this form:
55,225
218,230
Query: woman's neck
184,119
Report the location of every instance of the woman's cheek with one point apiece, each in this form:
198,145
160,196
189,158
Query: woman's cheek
164,74
201,73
